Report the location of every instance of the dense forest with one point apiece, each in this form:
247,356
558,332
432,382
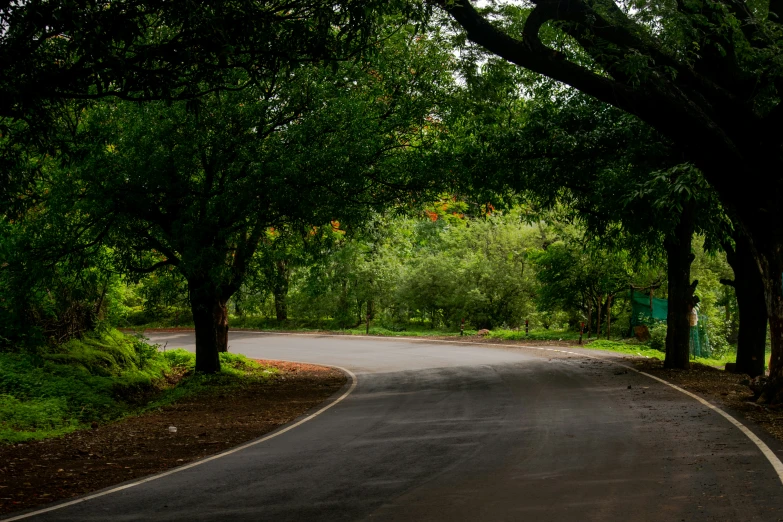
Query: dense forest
394,165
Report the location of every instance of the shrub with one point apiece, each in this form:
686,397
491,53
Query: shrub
658,336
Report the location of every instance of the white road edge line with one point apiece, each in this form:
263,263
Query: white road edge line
354,382
773,459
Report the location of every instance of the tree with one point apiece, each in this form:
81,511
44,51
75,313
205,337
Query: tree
280,252
55,52
703,74
749,288
594,164
577,278
198,187
52,51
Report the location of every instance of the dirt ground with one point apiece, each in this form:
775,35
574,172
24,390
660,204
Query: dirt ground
37,473
723,389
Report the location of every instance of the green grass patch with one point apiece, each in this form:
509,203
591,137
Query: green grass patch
639,349
407,332
625,348
535,335
102,378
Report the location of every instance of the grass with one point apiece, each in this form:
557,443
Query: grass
624,347
101,378
535,335
639,349
423,331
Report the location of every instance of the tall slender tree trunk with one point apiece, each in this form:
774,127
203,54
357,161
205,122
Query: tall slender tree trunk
598,321
589,316
609,316
237,299
752,306
681,299
210,318
280,290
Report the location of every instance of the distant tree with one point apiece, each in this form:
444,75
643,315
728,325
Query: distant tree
577,278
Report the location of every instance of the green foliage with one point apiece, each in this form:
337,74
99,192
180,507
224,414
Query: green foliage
428,272
102,377
98,378
172,50
626,348
197,194
434,269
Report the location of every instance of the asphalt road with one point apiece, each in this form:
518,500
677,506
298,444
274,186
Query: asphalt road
458,432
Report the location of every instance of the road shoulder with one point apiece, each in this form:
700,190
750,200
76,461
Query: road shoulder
35,474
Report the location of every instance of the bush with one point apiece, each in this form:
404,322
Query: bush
717,330
98,378
658,336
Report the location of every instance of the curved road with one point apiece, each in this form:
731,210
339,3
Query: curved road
454,432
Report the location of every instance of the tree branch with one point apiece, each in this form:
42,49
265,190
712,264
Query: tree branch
532,54
149,269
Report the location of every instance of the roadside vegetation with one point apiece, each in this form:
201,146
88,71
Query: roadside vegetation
101,378
422,274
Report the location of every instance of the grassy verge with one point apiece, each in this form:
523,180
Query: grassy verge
535,335
643,350
296,325
408,332
102,378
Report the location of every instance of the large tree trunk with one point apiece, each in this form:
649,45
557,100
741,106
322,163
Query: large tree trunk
774,297
210,317
753,320
280,290
769,254
681,299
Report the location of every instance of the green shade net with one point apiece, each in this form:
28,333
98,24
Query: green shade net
700,343
644,314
